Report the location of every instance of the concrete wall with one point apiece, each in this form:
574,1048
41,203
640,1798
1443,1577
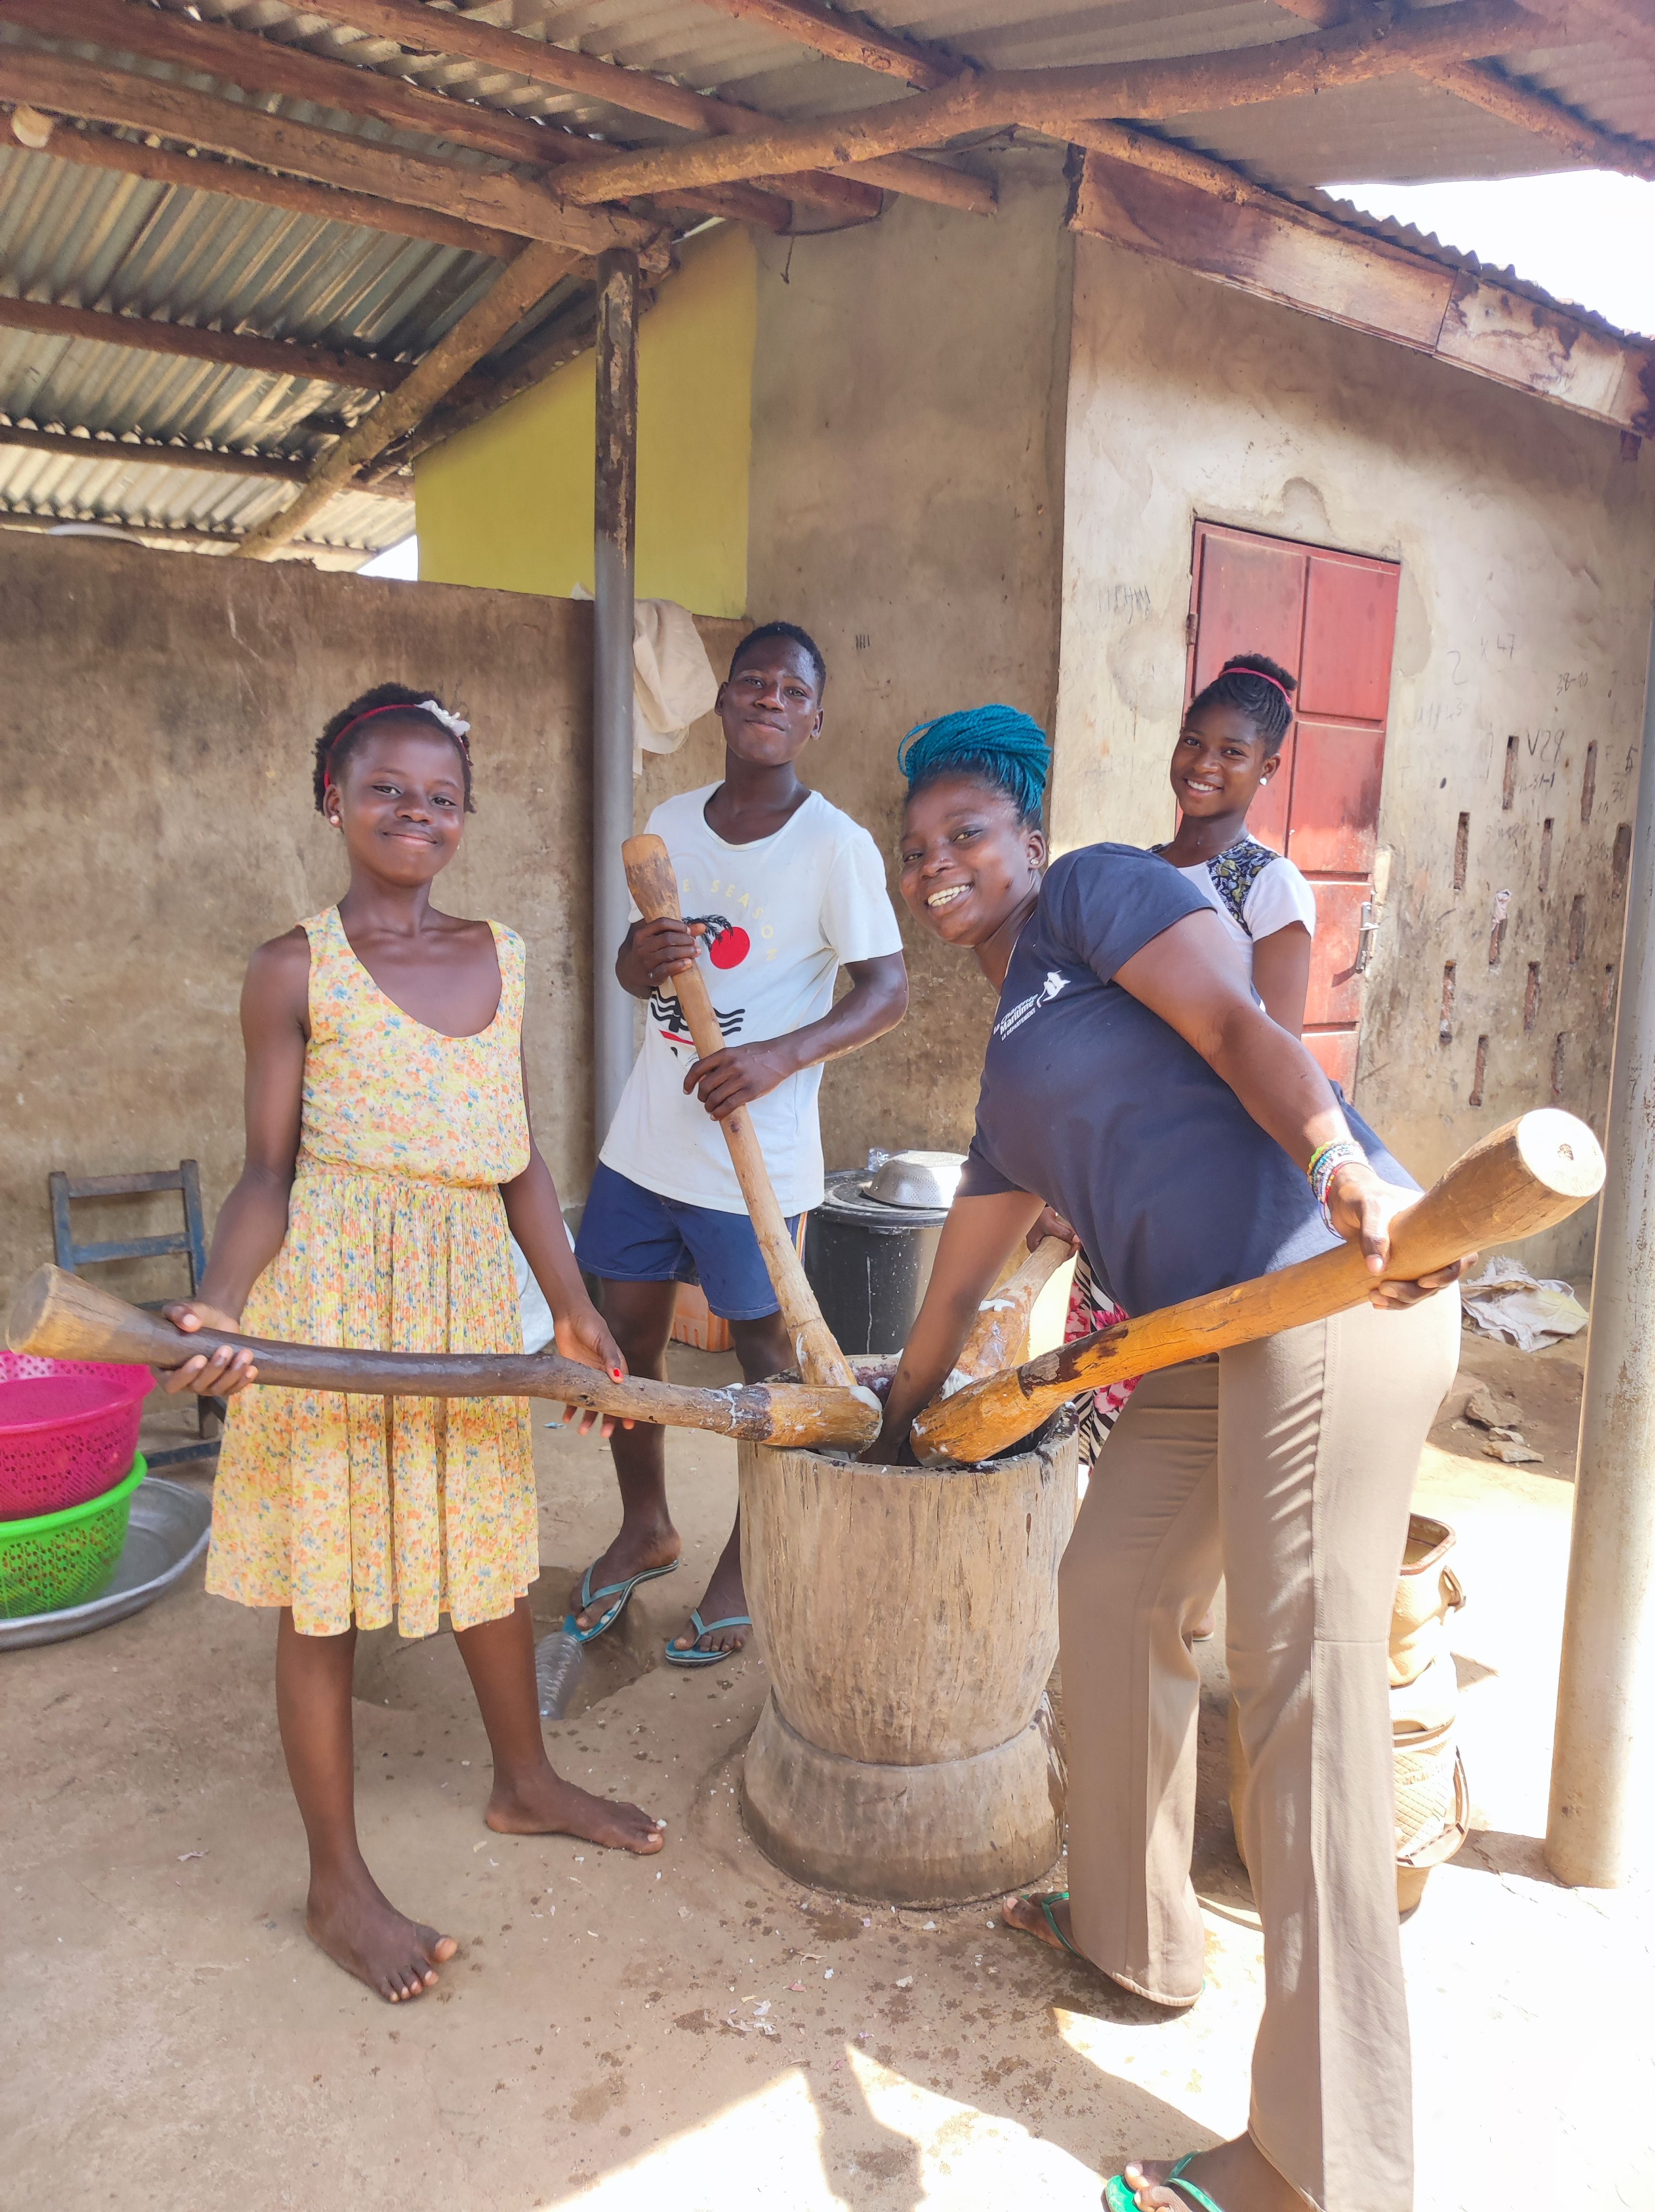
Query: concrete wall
907,470
508,503
160,715
1527,547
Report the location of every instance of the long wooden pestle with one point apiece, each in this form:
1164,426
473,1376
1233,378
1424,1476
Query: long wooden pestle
1001,1326
654,889
1525,1177
61,1317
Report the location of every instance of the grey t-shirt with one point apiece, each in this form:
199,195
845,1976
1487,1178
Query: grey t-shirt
1091,1101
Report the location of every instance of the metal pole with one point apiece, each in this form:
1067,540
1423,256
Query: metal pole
615,517
1608,1627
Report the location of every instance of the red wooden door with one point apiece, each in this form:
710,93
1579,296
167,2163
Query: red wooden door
1330,618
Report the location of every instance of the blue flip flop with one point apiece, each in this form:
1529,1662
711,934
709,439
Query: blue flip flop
1119,2196
621,1592
695,1658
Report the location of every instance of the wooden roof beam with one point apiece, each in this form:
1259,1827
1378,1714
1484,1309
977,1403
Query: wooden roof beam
181,535
184,342
337,158
260,65
514,291
1276,251
159,165
842,36
462,37
1482,84
66,445
1286,68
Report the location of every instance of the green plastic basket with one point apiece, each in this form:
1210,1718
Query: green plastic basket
59,1559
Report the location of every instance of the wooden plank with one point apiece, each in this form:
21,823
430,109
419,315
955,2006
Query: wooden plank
1340,275
1515,341
1308,261
1281,69
159,165
446,31
260,65
325,157
535,271
183,341
118,452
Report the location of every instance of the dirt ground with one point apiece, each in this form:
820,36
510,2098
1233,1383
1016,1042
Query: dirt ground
700,2033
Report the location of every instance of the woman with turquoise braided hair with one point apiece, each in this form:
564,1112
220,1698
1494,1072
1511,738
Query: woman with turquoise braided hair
1133,1081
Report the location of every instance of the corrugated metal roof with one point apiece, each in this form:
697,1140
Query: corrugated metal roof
92,239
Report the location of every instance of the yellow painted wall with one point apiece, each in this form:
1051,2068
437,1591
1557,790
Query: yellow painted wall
508,504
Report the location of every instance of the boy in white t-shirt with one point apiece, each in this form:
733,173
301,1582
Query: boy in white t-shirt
779,889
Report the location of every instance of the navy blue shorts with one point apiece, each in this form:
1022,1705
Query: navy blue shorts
631,1235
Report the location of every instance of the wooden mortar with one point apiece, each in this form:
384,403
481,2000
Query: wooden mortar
908,1616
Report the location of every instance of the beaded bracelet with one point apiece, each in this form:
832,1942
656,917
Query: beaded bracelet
1325,1163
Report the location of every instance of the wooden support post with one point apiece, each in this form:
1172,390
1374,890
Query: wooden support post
613,551
1597,1831
514,291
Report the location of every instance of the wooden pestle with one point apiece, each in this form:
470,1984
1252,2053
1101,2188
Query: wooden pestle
1530,1174
1002,1324
63,1316
654,889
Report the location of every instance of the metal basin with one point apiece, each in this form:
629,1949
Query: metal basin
167,1533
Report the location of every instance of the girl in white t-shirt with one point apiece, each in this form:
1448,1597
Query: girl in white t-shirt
1228,749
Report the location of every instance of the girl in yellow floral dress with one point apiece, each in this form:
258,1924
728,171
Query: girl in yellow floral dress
388,1149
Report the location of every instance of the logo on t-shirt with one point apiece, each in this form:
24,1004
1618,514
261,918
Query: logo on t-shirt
673,1030
1025,1008
727,942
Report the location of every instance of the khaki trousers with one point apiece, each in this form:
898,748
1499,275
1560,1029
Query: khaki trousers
1286,1467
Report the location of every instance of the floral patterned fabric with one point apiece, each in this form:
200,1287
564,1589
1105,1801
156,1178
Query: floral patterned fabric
355,1508
1087,1312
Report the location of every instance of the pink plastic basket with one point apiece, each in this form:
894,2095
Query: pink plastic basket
69,1430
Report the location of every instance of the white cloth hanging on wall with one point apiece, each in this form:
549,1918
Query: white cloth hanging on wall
672,680
672,683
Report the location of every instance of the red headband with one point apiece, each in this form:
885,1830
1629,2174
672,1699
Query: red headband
456,728
1262,678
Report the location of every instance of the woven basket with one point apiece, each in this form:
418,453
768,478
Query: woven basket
1433,1798
1427,1592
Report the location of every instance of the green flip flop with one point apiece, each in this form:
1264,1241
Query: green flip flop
1046,1901
618,1594
692,1657
1120,2196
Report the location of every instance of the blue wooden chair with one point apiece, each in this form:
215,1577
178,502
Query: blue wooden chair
190,1243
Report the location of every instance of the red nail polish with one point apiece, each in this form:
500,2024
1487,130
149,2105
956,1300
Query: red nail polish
615,1374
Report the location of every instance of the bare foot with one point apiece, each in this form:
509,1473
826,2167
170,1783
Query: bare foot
725,1600
634,1552
1202,1631
543,1803
359,1928
1236,2175
1024,1914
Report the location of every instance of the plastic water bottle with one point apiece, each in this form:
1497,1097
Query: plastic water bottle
557,1665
